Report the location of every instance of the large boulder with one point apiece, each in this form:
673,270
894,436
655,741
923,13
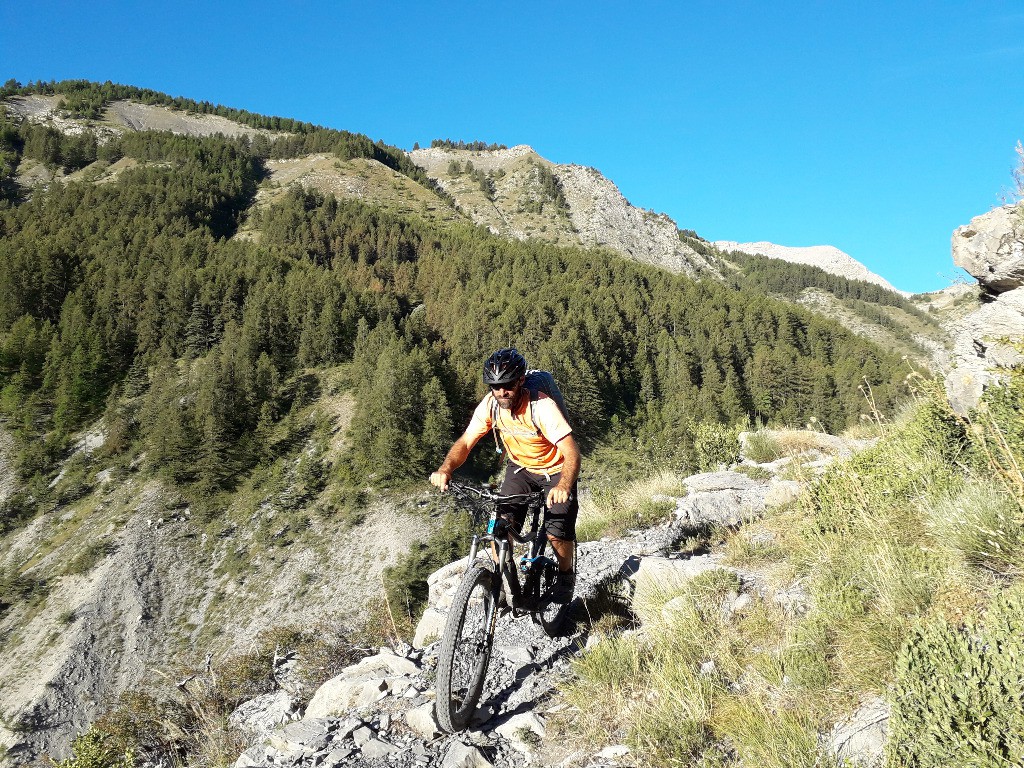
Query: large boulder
991,248
260,717
362,684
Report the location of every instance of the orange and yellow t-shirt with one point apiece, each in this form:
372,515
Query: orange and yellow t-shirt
528,444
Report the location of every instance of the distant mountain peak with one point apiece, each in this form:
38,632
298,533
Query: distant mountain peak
826,257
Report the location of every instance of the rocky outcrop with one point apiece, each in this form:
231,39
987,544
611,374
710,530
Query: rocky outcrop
991,248
603,217
592,212
381,709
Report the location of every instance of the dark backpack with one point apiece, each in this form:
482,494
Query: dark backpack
537,382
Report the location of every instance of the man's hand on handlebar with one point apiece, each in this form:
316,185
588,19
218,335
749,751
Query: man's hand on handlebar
440,479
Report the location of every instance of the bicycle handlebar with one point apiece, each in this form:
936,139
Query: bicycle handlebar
462,490
472,494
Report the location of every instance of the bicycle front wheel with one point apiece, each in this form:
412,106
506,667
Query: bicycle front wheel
465,648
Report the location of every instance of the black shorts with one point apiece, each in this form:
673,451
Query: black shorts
559,521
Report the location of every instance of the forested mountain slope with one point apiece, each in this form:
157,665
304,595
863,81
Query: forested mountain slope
207,329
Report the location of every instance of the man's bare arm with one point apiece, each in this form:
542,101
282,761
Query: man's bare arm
570,470
456,457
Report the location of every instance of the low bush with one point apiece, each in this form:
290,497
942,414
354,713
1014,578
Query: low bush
93,749
762,447
958,698
715,445
17,588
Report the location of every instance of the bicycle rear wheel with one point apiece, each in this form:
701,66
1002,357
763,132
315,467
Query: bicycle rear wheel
465,649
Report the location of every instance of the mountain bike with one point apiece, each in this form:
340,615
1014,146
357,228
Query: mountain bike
492,584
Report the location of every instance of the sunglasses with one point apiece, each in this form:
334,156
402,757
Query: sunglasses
498,387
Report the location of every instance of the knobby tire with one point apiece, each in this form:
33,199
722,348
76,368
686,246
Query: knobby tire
465,649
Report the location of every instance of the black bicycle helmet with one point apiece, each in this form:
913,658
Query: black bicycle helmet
505,366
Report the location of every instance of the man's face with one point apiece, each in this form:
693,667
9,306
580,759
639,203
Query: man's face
506,394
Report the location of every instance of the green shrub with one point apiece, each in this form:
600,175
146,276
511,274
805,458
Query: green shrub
16,588
93,750
958,698
762,447
715,445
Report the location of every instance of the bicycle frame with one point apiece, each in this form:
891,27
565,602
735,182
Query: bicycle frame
520,599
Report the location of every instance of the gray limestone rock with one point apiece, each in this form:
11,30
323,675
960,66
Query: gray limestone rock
375,749
719,481
421,721
252,757
260,716
978,348
860,739
461,755
361,735
345,692
337,758
723,507
430,627
386,662
524,731
312,734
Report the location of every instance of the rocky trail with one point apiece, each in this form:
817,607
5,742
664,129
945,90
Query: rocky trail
379,712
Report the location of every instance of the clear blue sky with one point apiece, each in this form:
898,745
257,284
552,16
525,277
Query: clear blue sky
877,127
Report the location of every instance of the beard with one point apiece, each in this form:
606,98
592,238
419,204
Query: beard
507,403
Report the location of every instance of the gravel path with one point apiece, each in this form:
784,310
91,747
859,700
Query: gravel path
384,718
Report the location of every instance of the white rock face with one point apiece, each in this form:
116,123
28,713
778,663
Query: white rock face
978,348
826,257
602,216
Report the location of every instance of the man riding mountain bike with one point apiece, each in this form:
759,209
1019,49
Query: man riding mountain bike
542,456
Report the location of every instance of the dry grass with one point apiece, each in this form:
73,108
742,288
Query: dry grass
895,533
633,507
